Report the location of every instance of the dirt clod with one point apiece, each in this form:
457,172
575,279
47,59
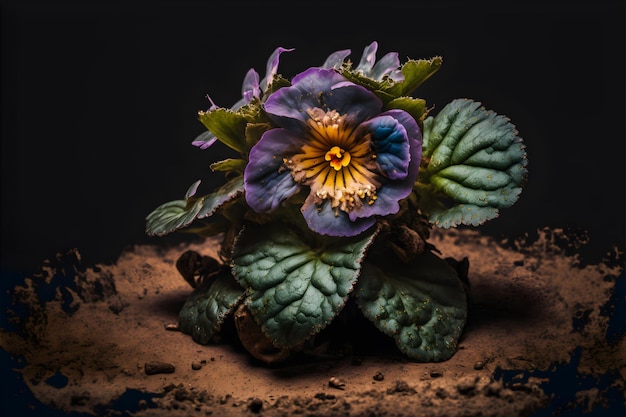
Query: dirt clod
155,367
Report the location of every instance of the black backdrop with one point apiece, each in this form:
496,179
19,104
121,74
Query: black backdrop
99,103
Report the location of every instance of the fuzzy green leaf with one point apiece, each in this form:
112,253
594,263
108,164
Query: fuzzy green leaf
228,126
415,73
206,308
296,287
172,216
422,305
475,160
227,192
177,214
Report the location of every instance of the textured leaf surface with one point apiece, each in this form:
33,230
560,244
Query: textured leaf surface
206,308
295,287
476,159
422,305
228,126
415,73
177,214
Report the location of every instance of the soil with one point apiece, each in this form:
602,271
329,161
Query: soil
545,336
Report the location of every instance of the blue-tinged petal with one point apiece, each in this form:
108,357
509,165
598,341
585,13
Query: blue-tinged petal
267,183
335,59
327,221
272,67
391,192
412,129
250,88
391,144
412,132
325,89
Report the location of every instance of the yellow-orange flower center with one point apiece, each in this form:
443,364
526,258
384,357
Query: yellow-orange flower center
337,163
338,158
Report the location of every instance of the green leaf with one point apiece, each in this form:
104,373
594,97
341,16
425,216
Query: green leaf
422,305
475,160
206,308
227,192
172,216
415,73
228,126
230,164
177,214
296,285
416,107
254,131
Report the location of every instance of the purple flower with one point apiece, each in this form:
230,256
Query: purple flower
333,139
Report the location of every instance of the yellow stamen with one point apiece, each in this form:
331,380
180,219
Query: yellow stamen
337,163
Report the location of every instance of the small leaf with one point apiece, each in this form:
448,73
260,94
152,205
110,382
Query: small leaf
227,192
177,214
415,73
228,126
295,287
206,308
191,191
230,164
475,160
422,305
254,131
416,107
172,216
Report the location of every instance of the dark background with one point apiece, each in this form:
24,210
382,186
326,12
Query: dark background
100,101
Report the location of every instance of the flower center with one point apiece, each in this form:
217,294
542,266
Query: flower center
336,163
338,157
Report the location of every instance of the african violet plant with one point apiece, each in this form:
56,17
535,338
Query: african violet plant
340,176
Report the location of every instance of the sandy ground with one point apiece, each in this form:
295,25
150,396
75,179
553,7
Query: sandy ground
545,336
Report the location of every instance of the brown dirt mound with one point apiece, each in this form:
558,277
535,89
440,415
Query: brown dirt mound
545,336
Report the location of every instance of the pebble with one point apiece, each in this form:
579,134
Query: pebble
196,366
172,327
379,376
479,365
155,367
335,382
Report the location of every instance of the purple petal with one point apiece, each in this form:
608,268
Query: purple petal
322,220
204,140
266,181
368,58
335,59
272,66
321,88
250,88
388,64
